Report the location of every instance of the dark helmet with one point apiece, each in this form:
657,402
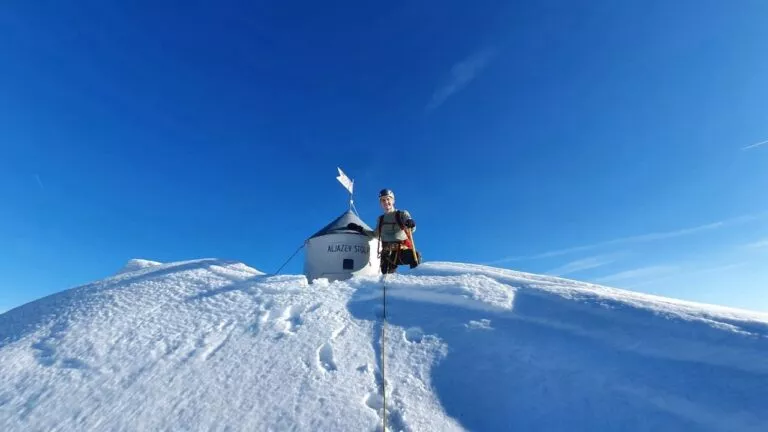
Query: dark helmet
385,193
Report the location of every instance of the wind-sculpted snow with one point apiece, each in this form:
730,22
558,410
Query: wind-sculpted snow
217,345
138,264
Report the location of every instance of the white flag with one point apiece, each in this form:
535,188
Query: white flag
344,180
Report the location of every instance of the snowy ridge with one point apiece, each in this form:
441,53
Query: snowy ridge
138,264
216,345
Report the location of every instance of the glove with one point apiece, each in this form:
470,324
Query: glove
354,227
410,223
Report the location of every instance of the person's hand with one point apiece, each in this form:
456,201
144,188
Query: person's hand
410,223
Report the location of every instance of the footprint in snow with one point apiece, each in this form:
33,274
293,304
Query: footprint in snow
213,345
73,363
325,357
374,401
45,353
292,318
395,421
258,324
414,335
209,344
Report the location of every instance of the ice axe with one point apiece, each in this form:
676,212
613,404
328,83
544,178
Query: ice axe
409,233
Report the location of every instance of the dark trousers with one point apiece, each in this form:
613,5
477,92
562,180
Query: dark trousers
390,259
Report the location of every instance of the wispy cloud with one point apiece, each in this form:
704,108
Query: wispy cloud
755,145
39,182
722,268
583,264
643,238
639,273
462,73
759,244
689,273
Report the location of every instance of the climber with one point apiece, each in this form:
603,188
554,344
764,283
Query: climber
394,230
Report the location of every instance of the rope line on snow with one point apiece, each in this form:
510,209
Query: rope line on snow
289,259
384,339
383,355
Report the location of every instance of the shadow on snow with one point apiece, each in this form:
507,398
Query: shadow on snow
523,375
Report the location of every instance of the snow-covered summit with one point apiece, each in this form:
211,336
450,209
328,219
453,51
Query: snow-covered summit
138,264
217,345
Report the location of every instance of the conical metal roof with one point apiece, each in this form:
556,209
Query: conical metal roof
339,225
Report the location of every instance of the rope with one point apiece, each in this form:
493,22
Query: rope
289,259
383,342
355,209
383,355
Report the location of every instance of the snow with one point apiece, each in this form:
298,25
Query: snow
138,264
216,345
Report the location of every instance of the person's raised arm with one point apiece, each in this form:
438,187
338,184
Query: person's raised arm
370,233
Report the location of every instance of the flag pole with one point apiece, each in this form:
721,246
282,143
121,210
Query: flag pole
351,201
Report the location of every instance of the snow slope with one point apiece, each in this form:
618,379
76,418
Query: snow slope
216,345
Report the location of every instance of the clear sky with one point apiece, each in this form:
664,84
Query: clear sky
622,143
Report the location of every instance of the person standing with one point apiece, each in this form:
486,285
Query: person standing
394,230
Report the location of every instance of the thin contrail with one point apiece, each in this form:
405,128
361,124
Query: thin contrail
755,145
642,238
39,182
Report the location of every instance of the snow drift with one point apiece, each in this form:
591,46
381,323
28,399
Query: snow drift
217,345
137,264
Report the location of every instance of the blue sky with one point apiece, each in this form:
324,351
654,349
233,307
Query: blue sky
615,142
